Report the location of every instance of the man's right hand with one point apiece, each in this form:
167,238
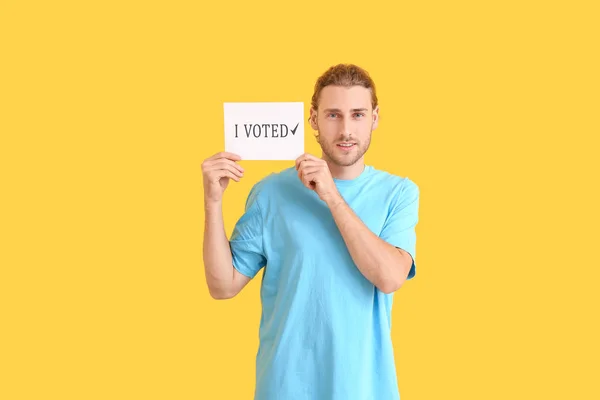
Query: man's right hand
217,171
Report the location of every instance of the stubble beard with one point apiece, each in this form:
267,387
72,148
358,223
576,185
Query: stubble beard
329,149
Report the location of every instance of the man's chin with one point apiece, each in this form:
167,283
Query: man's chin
344,162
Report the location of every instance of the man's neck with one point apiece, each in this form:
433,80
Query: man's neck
346,173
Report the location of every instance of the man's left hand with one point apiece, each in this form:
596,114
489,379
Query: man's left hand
315,175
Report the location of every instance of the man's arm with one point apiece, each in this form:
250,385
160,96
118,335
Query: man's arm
224,281
386,266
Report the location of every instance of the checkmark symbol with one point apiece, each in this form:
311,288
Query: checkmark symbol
296,127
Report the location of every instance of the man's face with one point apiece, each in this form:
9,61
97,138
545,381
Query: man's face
344,120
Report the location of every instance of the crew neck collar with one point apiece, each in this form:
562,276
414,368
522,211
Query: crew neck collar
348,182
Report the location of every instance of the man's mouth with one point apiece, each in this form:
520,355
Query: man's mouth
346,145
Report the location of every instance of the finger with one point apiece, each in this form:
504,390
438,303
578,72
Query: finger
225,174
217,168
305,157
310,164
308,170
309,183
309,156
299,160
220,163
226,155
307,179
224,162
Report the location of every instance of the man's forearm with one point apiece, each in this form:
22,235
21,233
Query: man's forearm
381,263
217,253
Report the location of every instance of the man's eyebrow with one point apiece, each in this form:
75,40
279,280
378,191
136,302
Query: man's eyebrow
352,110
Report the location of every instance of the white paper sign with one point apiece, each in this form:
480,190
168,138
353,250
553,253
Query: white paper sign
265,131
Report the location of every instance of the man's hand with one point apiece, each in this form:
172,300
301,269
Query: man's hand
216,172
315,175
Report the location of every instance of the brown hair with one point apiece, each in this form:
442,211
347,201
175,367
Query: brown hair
346,75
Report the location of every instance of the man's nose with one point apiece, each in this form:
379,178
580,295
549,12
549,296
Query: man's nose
345,126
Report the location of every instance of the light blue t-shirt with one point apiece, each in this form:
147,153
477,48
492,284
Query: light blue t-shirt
325,329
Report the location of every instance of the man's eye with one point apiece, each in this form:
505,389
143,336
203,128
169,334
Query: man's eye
360,114
332,115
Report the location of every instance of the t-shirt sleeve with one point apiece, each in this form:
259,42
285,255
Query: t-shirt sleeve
246,241
399,227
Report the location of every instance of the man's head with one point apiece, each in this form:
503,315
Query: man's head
344,111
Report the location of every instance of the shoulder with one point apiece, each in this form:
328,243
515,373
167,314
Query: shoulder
400,186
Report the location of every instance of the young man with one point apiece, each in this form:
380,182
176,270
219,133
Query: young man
337,239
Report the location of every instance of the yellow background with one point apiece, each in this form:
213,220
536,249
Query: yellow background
108,109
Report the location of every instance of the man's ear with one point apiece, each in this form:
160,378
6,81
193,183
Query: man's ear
375,117
313,119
